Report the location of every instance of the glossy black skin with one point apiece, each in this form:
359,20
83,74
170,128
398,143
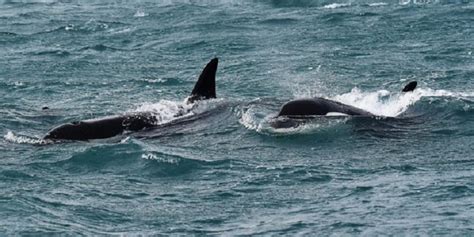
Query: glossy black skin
410,86
297,111
318,106
101,128
111,126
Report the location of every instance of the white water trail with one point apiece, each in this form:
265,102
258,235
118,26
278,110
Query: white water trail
336,5
20,139
385,103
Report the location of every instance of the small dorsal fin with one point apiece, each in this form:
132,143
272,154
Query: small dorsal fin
205,87
410,86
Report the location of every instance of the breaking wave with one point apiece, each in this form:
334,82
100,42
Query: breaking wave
336,5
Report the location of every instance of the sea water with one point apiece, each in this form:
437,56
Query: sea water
226,171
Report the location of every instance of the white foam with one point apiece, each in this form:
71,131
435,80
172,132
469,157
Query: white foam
378,4
140,13
336,5
11,137
306,128
384,103
418,2
69,27
166,111
151,156
253,119
250,120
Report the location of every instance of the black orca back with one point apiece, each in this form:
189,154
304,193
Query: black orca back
318,106
410,86
102,127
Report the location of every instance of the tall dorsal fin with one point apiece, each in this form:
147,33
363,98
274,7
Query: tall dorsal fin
410,86
205,87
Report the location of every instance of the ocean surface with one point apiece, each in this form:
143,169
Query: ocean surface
225,170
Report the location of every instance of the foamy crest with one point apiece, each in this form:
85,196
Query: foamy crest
378,4
336,5
384,103
151,156
11,137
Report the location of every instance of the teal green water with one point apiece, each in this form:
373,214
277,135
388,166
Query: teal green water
225,171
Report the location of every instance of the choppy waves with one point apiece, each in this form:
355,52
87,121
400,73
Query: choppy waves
218,168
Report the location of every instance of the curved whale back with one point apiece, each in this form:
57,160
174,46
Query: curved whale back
205,87
84,130
304,107
318,106
410,86
102,128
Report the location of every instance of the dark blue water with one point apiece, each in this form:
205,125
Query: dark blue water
224,170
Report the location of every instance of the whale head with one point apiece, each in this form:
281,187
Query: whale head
66,131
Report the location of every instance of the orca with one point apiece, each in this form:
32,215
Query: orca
99,128
294,112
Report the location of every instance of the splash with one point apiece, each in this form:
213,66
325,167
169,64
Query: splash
385,103
252,120
11,137
256,119
166,111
